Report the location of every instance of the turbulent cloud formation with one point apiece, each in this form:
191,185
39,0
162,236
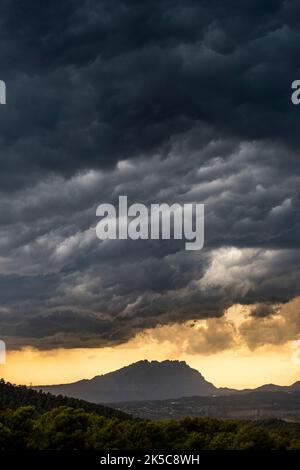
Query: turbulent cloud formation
165,102
277,329
93,82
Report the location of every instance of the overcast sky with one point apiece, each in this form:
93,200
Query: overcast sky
169,101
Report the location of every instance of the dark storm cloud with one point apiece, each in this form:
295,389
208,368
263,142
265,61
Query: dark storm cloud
165,102
90,83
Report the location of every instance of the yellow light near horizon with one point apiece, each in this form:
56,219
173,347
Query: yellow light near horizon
232,368
213,346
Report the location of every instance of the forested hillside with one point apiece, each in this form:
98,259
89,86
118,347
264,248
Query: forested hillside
66,428
15,396
31,420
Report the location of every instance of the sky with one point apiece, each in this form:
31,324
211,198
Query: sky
169,101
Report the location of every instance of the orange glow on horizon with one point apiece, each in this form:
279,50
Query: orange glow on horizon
213,346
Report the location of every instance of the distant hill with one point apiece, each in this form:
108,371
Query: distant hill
279,388
15,396
143,380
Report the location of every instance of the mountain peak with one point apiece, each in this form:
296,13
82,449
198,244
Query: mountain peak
142,380
154,363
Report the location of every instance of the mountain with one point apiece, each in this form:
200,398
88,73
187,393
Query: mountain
153,380
142,380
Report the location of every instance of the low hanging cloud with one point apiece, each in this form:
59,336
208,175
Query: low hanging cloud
274,329
264,310
236,331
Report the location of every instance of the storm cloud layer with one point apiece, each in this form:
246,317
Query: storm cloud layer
165,102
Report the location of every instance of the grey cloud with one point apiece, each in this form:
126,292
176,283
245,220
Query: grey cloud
264,310
50,254
92,83
275,329
166,102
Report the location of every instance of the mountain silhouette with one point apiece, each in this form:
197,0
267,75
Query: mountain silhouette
151,380
142,380
295,387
